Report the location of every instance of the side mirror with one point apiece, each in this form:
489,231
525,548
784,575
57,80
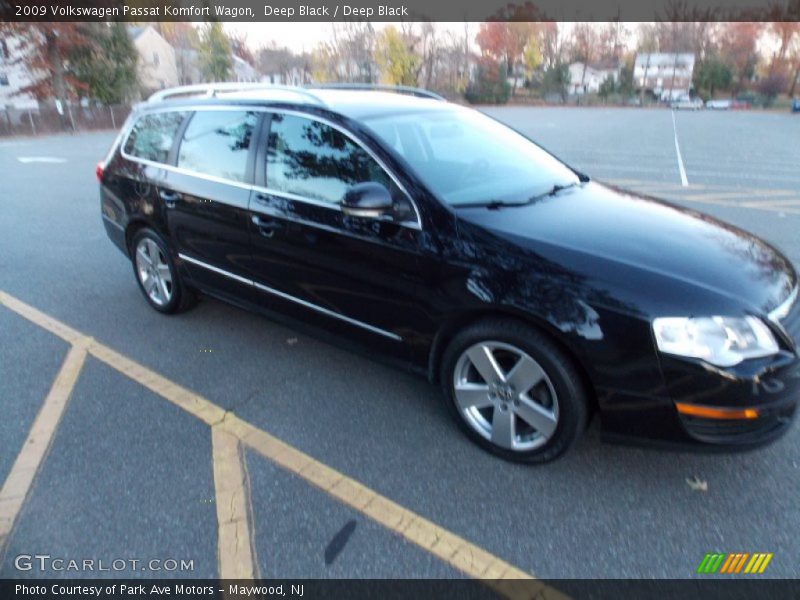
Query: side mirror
367,200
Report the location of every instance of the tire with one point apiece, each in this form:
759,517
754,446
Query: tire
532,414
156,273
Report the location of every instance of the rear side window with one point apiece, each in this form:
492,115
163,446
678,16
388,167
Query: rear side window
217,143
152,135
316,161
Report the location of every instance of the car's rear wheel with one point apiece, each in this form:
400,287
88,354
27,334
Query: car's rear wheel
513,391
156,274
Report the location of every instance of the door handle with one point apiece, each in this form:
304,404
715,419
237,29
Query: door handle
169,197
267,227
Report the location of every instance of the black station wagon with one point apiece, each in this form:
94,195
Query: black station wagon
437,237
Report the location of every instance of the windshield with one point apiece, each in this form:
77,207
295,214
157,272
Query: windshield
466,158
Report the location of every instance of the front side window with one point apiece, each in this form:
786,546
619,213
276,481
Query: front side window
217,143
316,161
152,136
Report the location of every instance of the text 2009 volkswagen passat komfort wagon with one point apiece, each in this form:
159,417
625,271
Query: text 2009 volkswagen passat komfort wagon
438,237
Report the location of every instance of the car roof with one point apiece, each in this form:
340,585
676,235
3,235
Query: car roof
355,104
362,104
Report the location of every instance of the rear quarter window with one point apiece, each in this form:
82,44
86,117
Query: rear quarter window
152,135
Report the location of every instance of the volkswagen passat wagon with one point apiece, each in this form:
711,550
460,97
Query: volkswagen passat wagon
440,238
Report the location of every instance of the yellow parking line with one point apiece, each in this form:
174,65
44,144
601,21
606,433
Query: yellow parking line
236,552
39,318
19,480
777,203
746,195
773,200
468,558
643,183
183,398
767,205
452,549
773,207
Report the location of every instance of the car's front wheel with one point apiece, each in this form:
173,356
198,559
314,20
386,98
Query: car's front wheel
156,273
513,391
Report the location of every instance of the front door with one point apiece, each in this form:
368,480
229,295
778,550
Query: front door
357,276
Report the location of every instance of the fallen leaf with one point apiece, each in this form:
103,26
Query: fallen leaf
697,484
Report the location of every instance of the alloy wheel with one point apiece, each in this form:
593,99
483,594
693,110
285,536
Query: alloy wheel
505,396
153,272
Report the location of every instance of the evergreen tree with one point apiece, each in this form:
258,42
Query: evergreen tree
105,68
214,52
490,85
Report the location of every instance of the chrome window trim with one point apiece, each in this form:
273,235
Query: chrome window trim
290,298
782,311
416,225
182,171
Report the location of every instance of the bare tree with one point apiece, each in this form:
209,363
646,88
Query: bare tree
647,44
552,44
584,46
353,47
274,61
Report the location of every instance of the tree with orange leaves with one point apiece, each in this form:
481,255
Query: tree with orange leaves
737,49
507,42
45,49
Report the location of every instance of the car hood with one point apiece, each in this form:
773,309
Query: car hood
606,226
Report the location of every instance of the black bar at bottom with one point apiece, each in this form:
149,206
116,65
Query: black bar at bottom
388,589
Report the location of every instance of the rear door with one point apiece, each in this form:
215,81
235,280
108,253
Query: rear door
206,193
358,276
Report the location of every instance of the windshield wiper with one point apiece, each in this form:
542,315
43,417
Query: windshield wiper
491,204
553,191
497,204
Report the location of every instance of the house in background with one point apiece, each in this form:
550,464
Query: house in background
589,82
294,75
14,76
157,66
188,65
667,76
189,73
243,71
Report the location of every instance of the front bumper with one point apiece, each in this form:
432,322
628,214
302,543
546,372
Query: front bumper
770,386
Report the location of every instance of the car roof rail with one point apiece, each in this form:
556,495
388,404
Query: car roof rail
398,89
211,90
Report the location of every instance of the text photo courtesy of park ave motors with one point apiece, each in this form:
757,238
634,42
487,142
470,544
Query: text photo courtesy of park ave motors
373,299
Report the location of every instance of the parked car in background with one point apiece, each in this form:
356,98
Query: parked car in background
687,103
741,105
719,104
434,235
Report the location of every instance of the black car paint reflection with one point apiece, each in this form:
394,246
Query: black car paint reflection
591,266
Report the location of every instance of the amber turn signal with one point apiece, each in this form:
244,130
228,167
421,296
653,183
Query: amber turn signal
708,412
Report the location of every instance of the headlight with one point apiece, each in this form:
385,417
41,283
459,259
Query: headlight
721,341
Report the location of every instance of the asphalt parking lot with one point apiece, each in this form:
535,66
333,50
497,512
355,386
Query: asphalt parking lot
137,465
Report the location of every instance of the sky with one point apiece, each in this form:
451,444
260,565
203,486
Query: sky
304,37
300,37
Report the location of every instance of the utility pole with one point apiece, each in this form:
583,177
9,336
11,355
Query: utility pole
674,63
644,78
57,67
